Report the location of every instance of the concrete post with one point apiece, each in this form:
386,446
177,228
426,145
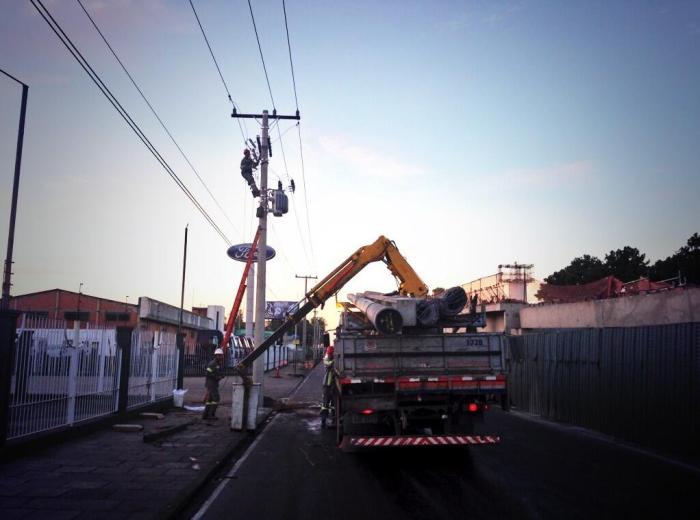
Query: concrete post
73,374
258,364
154,366
8,331
124,345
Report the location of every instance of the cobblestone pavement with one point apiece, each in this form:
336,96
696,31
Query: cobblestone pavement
110,474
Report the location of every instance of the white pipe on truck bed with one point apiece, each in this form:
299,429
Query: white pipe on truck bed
385,319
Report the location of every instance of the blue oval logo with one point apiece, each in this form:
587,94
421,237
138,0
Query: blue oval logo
240,252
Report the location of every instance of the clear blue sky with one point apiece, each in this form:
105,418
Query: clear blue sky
471,133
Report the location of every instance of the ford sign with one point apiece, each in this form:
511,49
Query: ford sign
240,252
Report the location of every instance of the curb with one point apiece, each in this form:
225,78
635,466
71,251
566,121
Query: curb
186,496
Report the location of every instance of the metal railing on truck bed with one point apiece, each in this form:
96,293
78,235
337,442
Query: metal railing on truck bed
424,354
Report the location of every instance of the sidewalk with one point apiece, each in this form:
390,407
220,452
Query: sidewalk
110,474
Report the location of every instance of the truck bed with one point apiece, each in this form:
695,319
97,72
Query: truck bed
419,355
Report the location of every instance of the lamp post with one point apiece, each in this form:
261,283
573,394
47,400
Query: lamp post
7,277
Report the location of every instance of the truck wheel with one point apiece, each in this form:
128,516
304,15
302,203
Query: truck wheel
505,403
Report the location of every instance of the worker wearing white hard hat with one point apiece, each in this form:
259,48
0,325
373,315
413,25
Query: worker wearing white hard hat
213,376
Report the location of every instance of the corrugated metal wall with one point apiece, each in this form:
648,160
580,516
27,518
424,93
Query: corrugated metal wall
639,384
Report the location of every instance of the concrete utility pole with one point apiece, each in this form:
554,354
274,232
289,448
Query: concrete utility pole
303,329
259,364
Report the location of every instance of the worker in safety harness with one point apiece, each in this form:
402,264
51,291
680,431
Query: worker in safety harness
328,383
213,376
247,167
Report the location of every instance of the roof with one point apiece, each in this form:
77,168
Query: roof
66,291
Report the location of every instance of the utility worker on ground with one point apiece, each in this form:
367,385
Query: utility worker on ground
328,384
247,167
213,376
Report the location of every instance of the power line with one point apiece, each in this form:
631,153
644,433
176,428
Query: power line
143,96
301,150
63,37
306,200
216,63
284,133
289,46
262,58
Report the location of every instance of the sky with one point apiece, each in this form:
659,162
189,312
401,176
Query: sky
472,133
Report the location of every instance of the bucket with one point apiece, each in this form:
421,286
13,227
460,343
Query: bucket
179,397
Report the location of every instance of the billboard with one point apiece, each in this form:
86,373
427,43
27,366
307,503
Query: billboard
278,310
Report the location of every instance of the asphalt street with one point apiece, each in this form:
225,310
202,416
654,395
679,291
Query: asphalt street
540,470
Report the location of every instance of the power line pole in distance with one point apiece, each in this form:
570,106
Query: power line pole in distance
306,289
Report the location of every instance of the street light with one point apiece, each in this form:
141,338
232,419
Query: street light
7,277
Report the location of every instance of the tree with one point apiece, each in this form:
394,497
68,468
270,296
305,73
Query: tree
583,269
685,261
626,264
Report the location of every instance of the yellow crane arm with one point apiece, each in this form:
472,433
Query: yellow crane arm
381,249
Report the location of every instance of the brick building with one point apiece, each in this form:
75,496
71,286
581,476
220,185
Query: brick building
148,314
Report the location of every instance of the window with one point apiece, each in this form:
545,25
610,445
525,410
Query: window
76,316
37,314
116,316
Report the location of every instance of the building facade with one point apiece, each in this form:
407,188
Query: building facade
96,312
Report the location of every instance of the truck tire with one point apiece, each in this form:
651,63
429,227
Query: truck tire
505,403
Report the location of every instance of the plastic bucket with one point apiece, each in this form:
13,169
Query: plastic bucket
179,398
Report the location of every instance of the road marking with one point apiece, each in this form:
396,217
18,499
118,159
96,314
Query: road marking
202,510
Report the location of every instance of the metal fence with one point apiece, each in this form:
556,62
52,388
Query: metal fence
639,384
60,376
153,367
196,361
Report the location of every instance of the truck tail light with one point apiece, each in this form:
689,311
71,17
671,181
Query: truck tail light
473,407
367,411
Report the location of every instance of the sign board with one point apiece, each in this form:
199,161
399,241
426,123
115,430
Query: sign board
278,310
240,252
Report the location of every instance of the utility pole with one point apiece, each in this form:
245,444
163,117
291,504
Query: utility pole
180,337
7,278
303,327
259,364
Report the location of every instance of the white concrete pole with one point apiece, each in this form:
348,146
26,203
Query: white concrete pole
73,374
259,364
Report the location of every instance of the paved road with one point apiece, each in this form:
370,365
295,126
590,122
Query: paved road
539,471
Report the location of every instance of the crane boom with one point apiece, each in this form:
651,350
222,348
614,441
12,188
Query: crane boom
410,284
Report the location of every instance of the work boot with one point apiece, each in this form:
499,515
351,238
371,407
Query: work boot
205,415
212,413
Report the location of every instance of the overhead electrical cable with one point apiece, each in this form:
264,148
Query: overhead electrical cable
284,133
291,63
306,199
301,150
216,63
262,58
75,52
162,124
